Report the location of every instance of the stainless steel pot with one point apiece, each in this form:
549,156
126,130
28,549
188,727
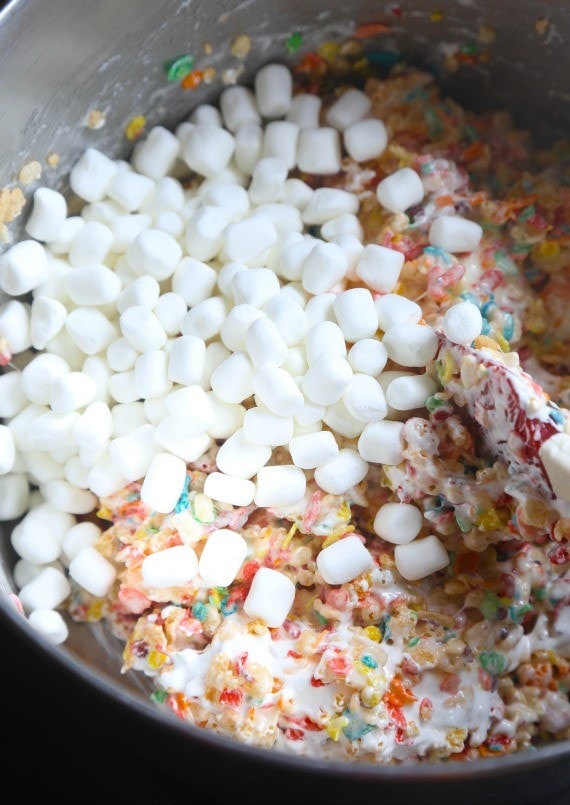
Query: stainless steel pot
60,60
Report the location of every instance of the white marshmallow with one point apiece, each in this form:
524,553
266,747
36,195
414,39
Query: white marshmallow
326,379
48,214
364,398
143,291
400,190
205,319
206,113
79,536
319,151
156,154
407,393
34,539
132,453
123,387
172,437
323,268
365,139
286,219
382,442
71,391
273,86
186,360
350,107
270,597
277,390
279,485
342,472
267,180
12,397
462,323
398,523
455,234
368,355
170,310
204,233
305,110
240,457
104,479
288,317
356,314
50,624
47,590
65,497
380,267
238,106
410,344
125,417
327,203
192,406
170,567
254,287
155,253
129,189
313,449
229,489
14,495
208,149
292,257
297,192
232,380
15,325
142,329
420,558
151,374
345,224
264,343
344,560
248,146
91,175
163,483
67,234
280,140
221,557
245,241
320,308
166,195
555,456
39,375
23,267
93,284
92,244
7,450
47,317
193,280
228,417
395,309
232,199
264,427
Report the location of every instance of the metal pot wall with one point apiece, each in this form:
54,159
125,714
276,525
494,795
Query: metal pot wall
62,59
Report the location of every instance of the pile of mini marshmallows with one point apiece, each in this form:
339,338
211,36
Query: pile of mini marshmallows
162,319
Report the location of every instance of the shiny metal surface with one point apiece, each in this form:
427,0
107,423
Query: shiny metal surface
60,59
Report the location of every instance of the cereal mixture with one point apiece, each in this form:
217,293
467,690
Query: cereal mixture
398,589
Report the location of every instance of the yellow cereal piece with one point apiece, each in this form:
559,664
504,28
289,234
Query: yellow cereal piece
329,50
436,16
204,509
12,202
94,611
484,342
456,738
156,659
290,535
336,726
546,250
256,627
104,513
370,696
135,127
446,367
373,633
332,538
491,520
240,46
30,172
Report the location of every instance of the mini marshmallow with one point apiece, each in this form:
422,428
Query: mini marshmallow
71,391
344,560
365,139
12,396
14,495
221,557
67,234
129,189
326,379
555,456
462,323
39,375
280,140
163,483
284,217
48,214
380,267
407,393
23,267
410,344
208,149
342,472
232,199
104,479
305,110
420,558
267,180
319,151
143,291
232,380
228,417
172,438
455,234
292,257
367,355
15,325
356,314
7,450
167,195
154,253
245,241
364,398
91,175
254,287
273,86
400,190
65,497
238,106
92,244
382,442
93,284
133,453
248,146
238,321
78,537
186,360
336,229
47,317
240,457
122,387
34,540
206,113
323,268
327,203
170,310
320,308
270,597
264,427
193,280
229,489
192,406
50,625
264,343
156,154
142,329
48,590
280,485
398,523
277,390
205,319
350,107
170,567
288,317
395,309
297,192
313,449
125,417
204,233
